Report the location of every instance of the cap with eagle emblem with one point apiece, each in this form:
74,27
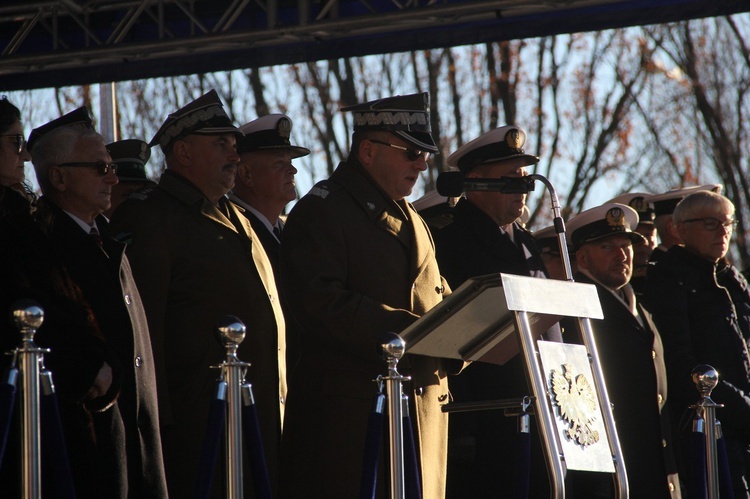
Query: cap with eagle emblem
639,202
272,131
666,202
496,145
606,220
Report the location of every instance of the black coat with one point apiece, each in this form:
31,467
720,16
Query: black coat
104,276
632,360
481,458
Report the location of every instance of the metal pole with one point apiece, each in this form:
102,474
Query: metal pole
393,348
108,109
706,378
230,333
28,316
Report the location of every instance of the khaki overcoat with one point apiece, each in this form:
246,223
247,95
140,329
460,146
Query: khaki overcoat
354,265
193,266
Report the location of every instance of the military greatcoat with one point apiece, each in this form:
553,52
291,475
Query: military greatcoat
355,264
194,265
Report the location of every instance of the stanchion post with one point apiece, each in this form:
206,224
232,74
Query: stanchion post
706,378
393,348
29,316
230,332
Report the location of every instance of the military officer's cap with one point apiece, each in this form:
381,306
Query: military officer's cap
639,202
407,116
78,117
130,156
666,202
501,143
607,220
269,132
547,241
204,116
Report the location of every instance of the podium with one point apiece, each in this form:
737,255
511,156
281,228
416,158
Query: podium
491,319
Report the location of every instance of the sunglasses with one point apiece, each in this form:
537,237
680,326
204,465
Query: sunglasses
101,167
712,224
411,154
20,141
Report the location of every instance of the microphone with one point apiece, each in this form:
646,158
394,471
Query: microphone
453,184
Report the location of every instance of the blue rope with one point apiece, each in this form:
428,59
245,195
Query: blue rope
53,440
523,465
7,403
372,449
698,481
211,443
725,479
254,443
413,487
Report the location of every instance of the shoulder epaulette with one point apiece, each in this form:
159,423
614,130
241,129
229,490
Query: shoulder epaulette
440,221
142,194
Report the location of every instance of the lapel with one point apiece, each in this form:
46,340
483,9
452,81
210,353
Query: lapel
423,245
614,310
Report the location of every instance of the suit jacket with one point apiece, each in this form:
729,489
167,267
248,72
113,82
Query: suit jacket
469,244
103,273
355,264
193,266
632,360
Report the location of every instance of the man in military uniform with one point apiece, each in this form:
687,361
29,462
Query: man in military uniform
197,259
631,355
130,156
357,261
482,235
264,186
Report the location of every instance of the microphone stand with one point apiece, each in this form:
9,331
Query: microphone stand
559,224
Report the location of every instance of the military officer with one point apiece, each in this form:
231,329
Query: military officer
130,156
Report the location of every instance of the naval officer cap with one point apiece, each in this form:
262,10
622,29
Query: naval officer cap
407,116
505,142
204,116
78,117
130,156
639,202
269,132
666,202
609,219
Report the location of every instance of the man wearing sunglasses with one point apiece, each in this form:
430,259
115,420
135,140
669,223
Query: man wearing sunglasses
357,261
122,456
701,305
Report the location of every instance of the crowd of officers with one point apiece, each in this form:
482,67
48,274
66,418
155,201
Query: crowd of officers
133,275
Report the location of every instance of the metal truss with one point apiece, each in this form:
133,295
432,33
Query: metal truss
107,40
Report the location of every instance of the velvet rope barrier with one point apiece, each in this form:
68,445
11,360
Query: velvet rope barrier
254,442
725,478
413,486
371,453
7,403
698,483
54,449
523,464
212,442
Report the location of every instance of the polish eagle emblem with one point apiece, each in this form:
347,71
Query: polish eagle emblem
577,403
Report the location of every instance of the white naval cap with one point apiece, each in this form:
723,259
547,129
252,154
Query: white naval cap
665,203
603,221
501,143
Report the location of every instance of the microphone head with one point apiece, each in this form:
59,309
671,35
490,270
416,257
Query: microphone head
450,184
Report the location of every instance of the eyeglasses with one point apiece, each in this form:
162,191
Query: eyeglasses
712,224
20,141
102,168
411,154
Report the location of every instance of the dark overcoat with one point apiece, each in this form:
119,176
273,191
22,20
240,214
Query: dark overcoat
702,311
355,264
632,359
193,266
104,275
481,454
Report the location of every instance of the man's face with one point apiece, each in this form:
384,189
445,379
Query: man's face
502,208
642,251
11,162
391,167
272,175
608,260
213,162
707,236
85,192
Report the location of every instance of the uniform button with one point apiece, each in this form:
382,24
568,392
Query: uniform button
138,361
282,400
439,289
671,487
664,443
128,301
414,287
653,354
443,397
659,398
419,391
270,297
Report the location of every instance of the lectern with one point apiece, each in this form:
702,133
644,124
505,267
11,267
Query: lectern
495,317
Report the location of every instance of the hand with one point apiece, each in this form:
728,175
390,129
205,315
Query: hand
102,382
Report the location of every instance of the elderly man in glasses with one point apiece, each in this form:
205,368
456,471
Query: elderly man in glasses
113,440
701,305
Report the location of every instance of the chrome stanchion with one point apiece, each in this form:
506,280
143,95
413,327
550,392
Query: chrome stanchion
706,378
28,316
230,333
393,348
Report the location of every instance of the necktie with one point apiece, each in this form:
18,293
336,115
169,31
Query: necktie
94,234
277,232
